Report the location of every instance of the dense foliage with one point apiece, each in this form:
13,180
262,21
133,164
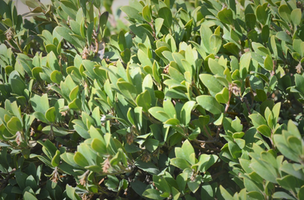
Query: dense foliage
189,100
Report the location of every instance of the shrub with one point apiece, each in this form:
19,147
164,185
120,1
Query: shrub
190,100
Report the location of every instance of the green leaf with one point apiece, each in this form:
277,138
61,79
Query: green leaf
240,142
99,146
296,144
14,124
301,193
282,35
261,95
250,20
67,35
71,193
299,81
264,170
169,108
161,184
225,194
159,113
127,89
264,130
158,25
234,149
194,185
232,48
56,159
268,157
261,13
132,13
255,195
31,3
50,114
207,191
16,83
40,103
112,183
181,179
226,16
175,74
285,12
147,167
185,114
282,195
94,133
68,158
175,193
80,160
206,34
296,16
31,182
244,64
138,186
172,122
223,96
281,144
188,150
49,149
215,67
75,104
274,46
293,129
147,13
210,104
298,46
166,14
215,42
211,83
28,196
276,111
74,93
51,48
288,182
206,161
103,19
268,64
257,119
180,163
152,193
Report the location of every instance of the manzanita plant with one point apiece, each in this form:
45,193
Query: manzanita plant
188,100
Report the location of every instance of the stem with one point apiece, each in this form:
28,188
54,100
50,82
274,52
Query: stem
207,132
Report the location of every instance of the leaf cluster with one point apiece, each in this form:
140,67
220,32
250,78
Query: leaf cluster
188,100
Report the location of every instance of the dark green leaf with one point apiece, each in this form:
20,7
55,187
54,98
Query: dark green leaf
166,14
250,20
